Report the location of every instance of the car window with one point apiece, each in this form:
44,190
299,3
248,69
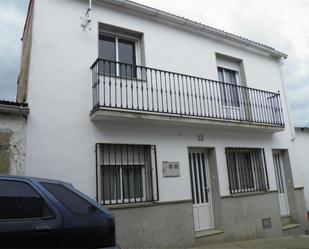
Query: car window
71,200
18,200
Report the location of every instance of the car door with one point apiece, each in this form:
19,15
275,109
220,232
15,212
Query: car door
27,218
85,224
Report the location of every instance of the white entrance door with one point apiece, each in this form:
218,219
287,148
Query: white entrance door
201,194
281,185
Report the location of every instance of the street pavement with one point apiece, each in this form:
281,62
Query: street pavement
288,242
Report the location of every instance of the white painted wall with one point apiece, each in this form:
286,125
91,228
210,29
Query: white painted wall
61,137
301,162
16,125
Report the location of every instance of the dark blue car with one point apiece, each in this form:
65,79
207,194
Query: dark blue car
46,213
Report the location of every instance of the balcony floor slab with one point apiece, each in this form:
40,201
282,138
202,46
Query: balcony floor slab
103,114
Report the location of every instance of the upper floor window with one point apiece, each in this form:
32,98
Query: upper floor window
229,93
230,71
120,51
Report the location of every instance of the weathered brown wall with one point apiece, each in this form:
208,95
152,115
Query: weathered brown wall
5,153
12,144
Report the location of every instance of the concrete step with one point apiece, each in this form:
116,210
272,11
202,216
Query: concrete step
285,220
208,237
292,229
290,226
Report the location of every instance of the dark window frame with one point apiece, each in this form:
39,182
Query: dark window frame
149,178
230,94
246,175
114,66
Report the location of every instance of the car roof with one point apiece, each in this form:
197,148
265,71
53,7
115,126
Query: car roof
30,178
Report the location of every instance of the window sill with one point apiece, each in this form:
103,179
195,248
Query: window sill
130,205
145,204
249,194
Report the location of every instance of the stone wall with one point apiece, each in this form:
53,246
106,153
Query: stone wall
243,216
12,144
161,225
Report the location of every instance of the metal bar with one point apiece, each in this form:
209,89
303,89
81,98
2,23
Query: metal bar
134,175
132,87
109,170
229,173
142,89
152,87
103,190
205,173
175,95
127,174
202,189
137,97
155,155
121,174
147,89
166,95
110,85
191,174
161,92
265,169
141,192
116,175
96,172
195,95
189,94
157,91
181,111
195,178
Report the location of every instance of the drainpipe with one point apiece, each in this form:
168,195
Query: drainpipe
288,107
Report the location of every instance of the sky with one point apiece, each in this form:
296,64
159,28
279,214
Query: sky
282,24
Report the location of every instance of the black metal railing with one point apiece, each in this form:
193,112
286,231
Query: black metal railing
247,170
141,89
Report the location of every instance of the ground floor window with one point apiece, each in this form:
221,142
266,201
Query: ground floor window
247,170
126,173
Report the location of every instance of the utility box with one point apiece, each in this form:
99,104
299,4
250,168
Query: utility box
170,169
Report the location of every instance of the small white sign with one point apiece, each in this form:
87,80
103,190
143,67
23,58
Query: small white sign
170,169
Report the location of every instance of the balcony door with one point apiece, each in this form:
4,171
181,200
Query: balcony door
231,93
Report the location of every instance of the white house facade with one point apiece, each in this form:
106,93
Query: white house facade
183,131
301,168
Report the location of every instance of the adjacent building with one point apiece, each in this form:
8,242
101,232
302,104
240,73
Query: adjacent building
301,168
182,130
13,119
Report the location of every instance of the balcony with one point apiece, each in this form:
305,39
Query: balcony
129,91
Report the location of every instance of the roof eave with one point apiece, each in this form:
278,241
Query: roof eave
193,25
12,109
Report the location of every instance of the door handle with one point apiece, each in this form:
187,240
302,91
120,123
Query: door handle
42,229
